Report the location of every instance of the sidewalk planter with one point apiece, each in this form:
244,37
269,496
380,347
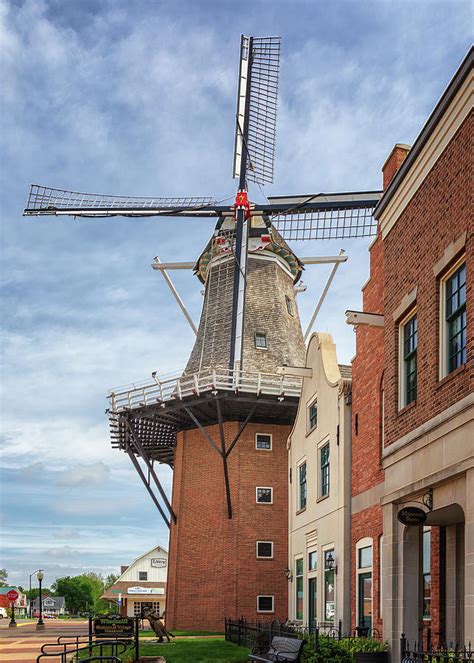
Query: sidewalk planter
371,657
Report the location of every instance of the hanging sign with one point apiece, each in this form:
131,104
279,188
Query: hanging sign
411,515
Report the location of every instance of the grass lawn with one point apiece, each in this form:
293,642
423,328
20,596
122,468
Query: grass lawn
148,633
197,650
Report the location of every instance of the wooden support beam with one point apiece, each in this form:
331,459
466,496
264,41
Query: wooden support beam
224,459
203,431
236,438
144,455
146,484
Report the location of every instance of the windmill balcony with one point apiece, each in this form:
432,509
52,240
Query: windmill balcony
182,386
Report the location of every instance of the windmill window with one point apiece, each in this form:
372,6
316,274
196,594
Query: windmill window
265,603
263,441
261,340
264,495
264,549
289,305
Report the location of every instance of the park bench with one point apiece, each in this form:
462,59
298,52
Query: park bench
281,650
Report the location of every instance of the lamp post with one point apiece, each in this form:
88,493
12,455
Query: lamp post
40,623
29,585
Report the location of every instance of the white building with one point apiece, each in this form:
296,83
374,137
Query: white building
142,584
319,449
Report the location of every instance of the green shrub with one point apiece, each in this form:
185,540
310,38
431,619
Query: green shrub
353,645
328,650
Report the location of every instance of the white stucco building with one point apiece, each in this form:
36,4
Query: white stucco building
142,584
319,449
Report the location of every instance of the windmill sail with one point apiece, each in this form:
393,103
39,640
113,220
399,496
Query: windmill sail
257,98
43,200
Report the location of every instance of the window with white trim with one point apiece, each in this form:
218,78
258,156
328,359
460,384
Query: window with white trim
324,469
408,344
142,575
454,319
264,495
364,575
299,565
302,486
313,415
265,603
263,441
264,549
261,341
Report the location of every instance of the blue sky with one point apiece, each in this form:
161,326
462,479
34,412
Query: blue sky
138,98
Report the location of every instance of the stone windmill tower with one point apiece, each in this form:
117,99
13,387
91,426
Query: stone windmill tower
223,422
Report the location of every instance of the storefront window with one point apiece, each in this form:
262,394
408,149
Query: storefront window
299,588
329,589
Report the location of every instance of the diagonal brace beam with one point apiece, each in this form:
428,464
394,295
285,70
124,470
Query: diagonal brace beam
242,428
146,484
203,431
150,467
224,458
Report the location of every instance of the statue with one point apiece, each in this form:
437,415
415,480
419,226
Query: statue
157,623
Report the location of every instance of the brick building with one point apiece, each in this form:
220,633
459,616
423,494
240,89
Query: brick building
413,434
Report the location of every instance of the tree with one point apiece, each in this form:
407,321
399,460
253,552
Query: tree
3,578
110,580
77,592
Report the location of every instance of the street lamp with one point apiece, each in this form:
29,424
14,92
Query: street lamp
40,624
29,585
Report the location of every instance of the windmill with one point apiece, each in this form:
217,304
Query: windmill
244,375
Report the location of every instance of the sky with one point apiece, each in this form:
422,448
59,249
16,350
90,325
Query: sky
137,97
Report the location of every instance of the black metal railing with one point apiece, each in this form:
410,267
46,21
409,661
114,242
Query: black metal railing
425,652
260,634
105,650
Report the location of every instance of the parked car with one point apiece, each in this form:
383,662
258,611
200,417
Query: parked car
3,613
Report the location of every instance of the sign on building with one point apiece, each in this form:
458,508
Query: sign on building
158,562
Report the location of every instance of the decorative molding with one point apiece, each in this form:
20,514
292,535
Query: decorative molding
406,303
450,252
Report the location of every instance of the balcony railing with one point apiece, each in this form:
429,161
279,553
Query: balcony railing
182,386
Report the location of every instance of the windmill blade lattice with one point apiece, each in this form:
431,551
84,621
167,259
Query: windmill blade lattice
45,200
257,107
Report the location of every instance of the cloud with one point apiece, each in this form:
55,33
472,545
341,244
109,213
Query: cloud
62,552
66,533
85,475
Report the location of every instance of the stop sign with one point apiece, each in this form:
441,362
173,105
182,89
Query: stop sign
12,595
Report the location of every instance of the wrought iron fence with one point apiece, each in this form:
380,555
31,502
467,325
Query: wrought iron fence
260,634
424,652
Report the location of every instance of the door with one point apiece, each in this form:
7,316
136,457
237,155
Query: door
312,599
365,599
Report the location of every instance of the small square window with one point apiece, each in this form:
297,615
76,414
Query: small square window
312,561
142,575
263,441
313,415
264,495
289,305
265,549
261,340
265,603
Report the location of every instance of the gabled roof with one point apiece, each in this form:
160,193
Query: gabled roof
141,557
58,601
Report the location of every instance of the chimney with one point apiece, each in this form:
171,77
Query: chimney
393,162
123,569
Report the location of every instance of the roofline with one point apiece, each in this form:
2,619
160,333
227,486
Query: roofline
139,557
446,98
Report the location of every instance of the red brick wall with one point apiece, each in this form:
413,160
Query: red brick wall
436,216
367,523
213,572
367,374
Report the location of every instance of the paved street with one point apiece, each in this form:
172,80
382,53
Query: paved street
23,644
